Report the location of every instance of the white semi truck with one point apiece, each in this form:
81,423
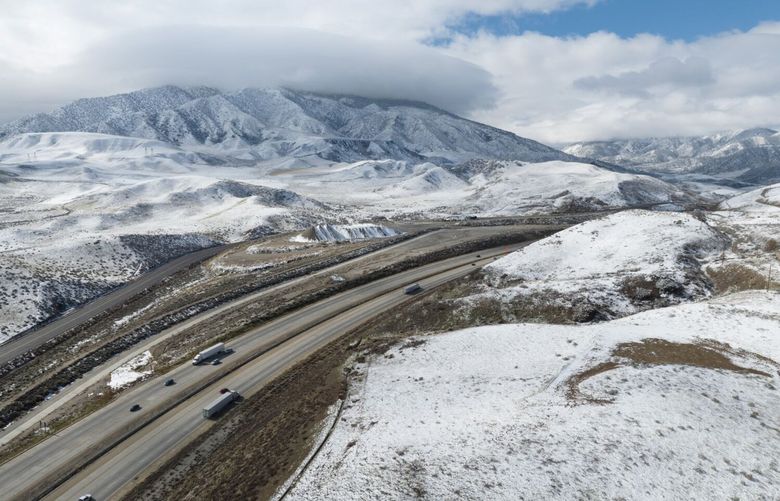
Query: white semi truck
208,353
219,404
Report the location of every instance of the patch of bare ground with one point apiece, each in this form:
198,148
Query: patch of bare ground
737,277
445,309
706,354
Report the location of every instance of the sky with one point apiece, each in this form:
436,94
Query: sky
557,71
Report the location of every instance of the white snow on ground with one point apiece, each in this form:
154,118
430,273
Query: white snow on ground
344,232
495,188
131,371
554,185
765,199
752,220
598,258
483,413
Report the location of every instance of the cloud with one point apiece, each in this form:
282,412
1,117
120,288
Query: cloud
668,71
553,89
601,86
53,51
233,58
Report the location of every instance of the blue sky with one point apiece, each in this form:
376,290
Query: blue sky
673,19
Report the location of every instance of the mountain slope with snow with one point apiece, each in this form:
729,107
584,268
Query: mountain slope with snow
751,156
275,123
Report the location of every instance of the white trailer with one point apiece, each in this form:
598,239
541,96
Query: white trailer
220,403
208,353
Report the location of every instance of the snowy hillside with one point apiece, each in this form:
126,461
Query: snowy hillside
761,200
485,188
263,124
609,267
751,156
658,405
69,233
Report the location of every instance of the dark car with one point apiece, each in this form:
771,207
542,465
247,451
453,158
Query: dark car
135,408
215,362
86,497
224,390
170,382
413,289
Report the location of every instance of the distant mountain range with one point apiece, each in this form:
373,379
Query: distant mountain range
751,156
262,124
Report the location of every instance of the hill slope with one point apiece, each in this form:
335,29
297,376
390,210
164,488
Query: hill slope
751,155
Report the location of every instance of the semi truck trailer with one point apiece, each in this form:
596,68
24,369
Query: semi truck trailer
208,353
220,403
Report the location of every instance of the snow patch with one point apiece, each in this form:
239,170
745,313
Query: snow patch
131,371
345,232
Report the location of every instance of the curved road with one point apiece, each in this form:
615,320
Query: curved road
259,356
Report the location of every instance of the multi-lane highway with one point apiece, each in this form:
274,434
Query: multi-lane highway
18,345
279,343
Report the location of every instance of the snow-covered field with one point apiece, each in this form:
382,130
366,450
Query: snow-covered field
615,265
674,403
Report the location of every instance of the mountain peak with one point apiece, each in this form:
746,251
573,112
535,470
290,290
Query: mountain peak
283,122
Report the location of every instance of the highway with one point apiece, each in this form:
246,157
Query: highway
18,345
426,242
280,343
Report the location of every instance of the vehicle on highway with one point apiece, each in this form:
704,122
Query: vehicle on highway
135,408
478,255
216,362
224,390
220,403
170,382
86,497
208,353
412,289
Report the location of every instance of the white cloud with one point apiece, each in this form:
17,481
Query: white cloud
554,89
53,51
600,86
231,58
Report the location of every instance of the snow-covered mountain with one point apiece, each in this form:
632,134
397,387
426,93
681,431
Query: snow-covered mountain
186,168
751,156
261,124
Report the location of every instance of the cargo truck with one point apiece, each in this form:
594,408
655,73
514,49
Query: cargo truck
208,353
220,403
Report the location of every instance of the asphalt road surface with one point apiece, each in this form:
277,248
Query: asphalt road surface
31,340
280,343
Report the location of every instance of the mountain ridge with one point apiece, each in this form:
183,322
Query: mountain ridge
275,123
749,155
